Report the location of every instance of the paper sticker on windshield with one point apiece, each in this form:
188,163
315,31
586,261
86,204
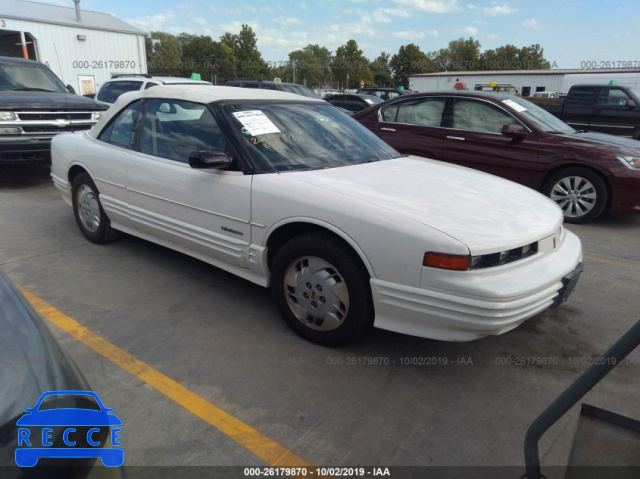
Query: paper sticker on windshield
256,123
514,105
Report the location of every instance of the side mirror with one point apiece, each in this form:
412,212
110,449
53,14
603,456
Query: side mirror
202,159
630,104
514,131
71,89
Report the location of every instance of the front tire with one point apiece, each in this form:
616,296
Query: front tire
91,218
322,289
581,194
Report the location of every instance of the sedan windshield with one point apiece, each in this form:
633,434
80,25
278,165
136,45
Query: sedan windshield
304,136
539,117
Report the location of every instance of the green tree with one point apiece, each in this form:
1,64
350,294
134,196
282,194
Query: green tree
310,65
213,60
248,59
460,55
408,61
350,66
381,70
165,56
510,57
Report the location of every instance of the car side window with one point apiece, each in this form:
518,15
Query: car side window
174,129
582,96
479,116
121,130
420,112
390,113
110,91
613,97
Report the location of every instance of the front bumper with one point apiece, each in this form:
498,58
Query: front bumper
468,305
20,150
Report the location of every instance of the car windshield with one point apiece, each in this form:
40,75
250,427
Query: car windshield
635,94
539,117
299,90
28,77
304,136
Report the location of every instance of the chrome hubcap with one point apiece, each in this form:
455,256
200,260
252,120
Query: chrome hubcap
575,195
88,208
316,293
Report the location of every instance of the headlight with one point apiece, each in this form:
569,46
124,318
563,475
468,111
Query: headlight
8,116
97,115
631,162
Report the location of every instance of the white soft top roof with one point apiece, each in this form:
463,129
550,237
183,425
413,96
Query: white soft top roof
197,94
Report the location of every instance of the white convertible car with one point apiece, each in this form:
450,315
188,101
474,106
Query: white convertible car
289,192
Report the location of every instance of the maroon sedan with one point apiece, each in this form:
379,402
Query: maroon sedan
584,172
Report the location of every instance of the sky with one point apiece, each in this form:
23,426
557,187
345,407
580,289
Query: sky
573,33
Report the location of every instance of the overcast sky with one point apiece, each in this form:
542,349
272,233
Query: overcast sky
571,32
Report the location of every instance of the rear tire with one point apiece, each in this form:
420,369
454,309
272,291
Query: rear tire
322,289
581,194
91,218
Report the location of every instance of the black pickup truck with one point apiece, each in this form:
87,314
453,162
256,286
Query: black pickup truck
34,106
609,109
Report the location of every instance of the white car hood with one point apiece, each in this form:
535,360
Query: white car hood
485,212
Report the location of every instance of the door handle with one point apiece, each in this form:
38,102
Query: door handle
385,128
457,138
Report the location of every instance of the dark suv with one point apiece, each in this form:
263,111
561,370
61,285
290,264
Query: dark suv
271,85
34,106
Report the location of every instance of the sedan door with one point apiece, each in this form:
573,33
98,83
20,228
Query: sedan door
206,211
413,126
474,139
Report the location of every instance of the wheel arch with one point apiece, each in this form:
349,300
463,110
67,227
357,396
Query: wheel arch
74,171
576,164
282,232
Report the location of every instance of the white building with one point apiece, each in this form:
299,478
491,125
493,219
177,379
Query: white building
526,82
83,48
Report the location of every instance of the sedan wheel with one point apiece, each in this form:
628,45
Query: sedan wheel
316,293
580,193
91,218
322,289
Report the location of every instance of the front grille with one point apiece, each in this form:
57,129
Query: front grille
54,115
42,129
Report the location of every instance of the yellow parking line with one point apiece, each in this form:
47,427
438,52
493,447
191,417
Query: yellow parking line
262,446
622,264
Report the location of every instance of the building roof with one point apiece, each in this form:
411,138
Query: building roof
525,72
56,15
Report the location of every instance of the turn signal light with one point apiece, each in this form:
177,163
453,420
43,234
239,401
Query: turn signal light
446,261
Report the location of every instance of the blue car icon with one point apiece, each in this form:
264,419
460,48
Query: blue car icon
80,428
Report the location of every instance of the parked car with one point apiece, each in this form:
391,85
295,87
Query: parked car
613,109
290,193
33,363
584,173
385,93
271,85
354,103
34,106
545,94
118,84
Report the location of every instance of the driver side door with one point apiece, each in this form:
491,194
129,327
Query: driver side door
474,139
203,211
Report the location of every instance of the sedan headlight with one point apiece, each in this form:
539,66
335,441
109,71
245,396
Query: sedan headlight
96,115
631,162
8,116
